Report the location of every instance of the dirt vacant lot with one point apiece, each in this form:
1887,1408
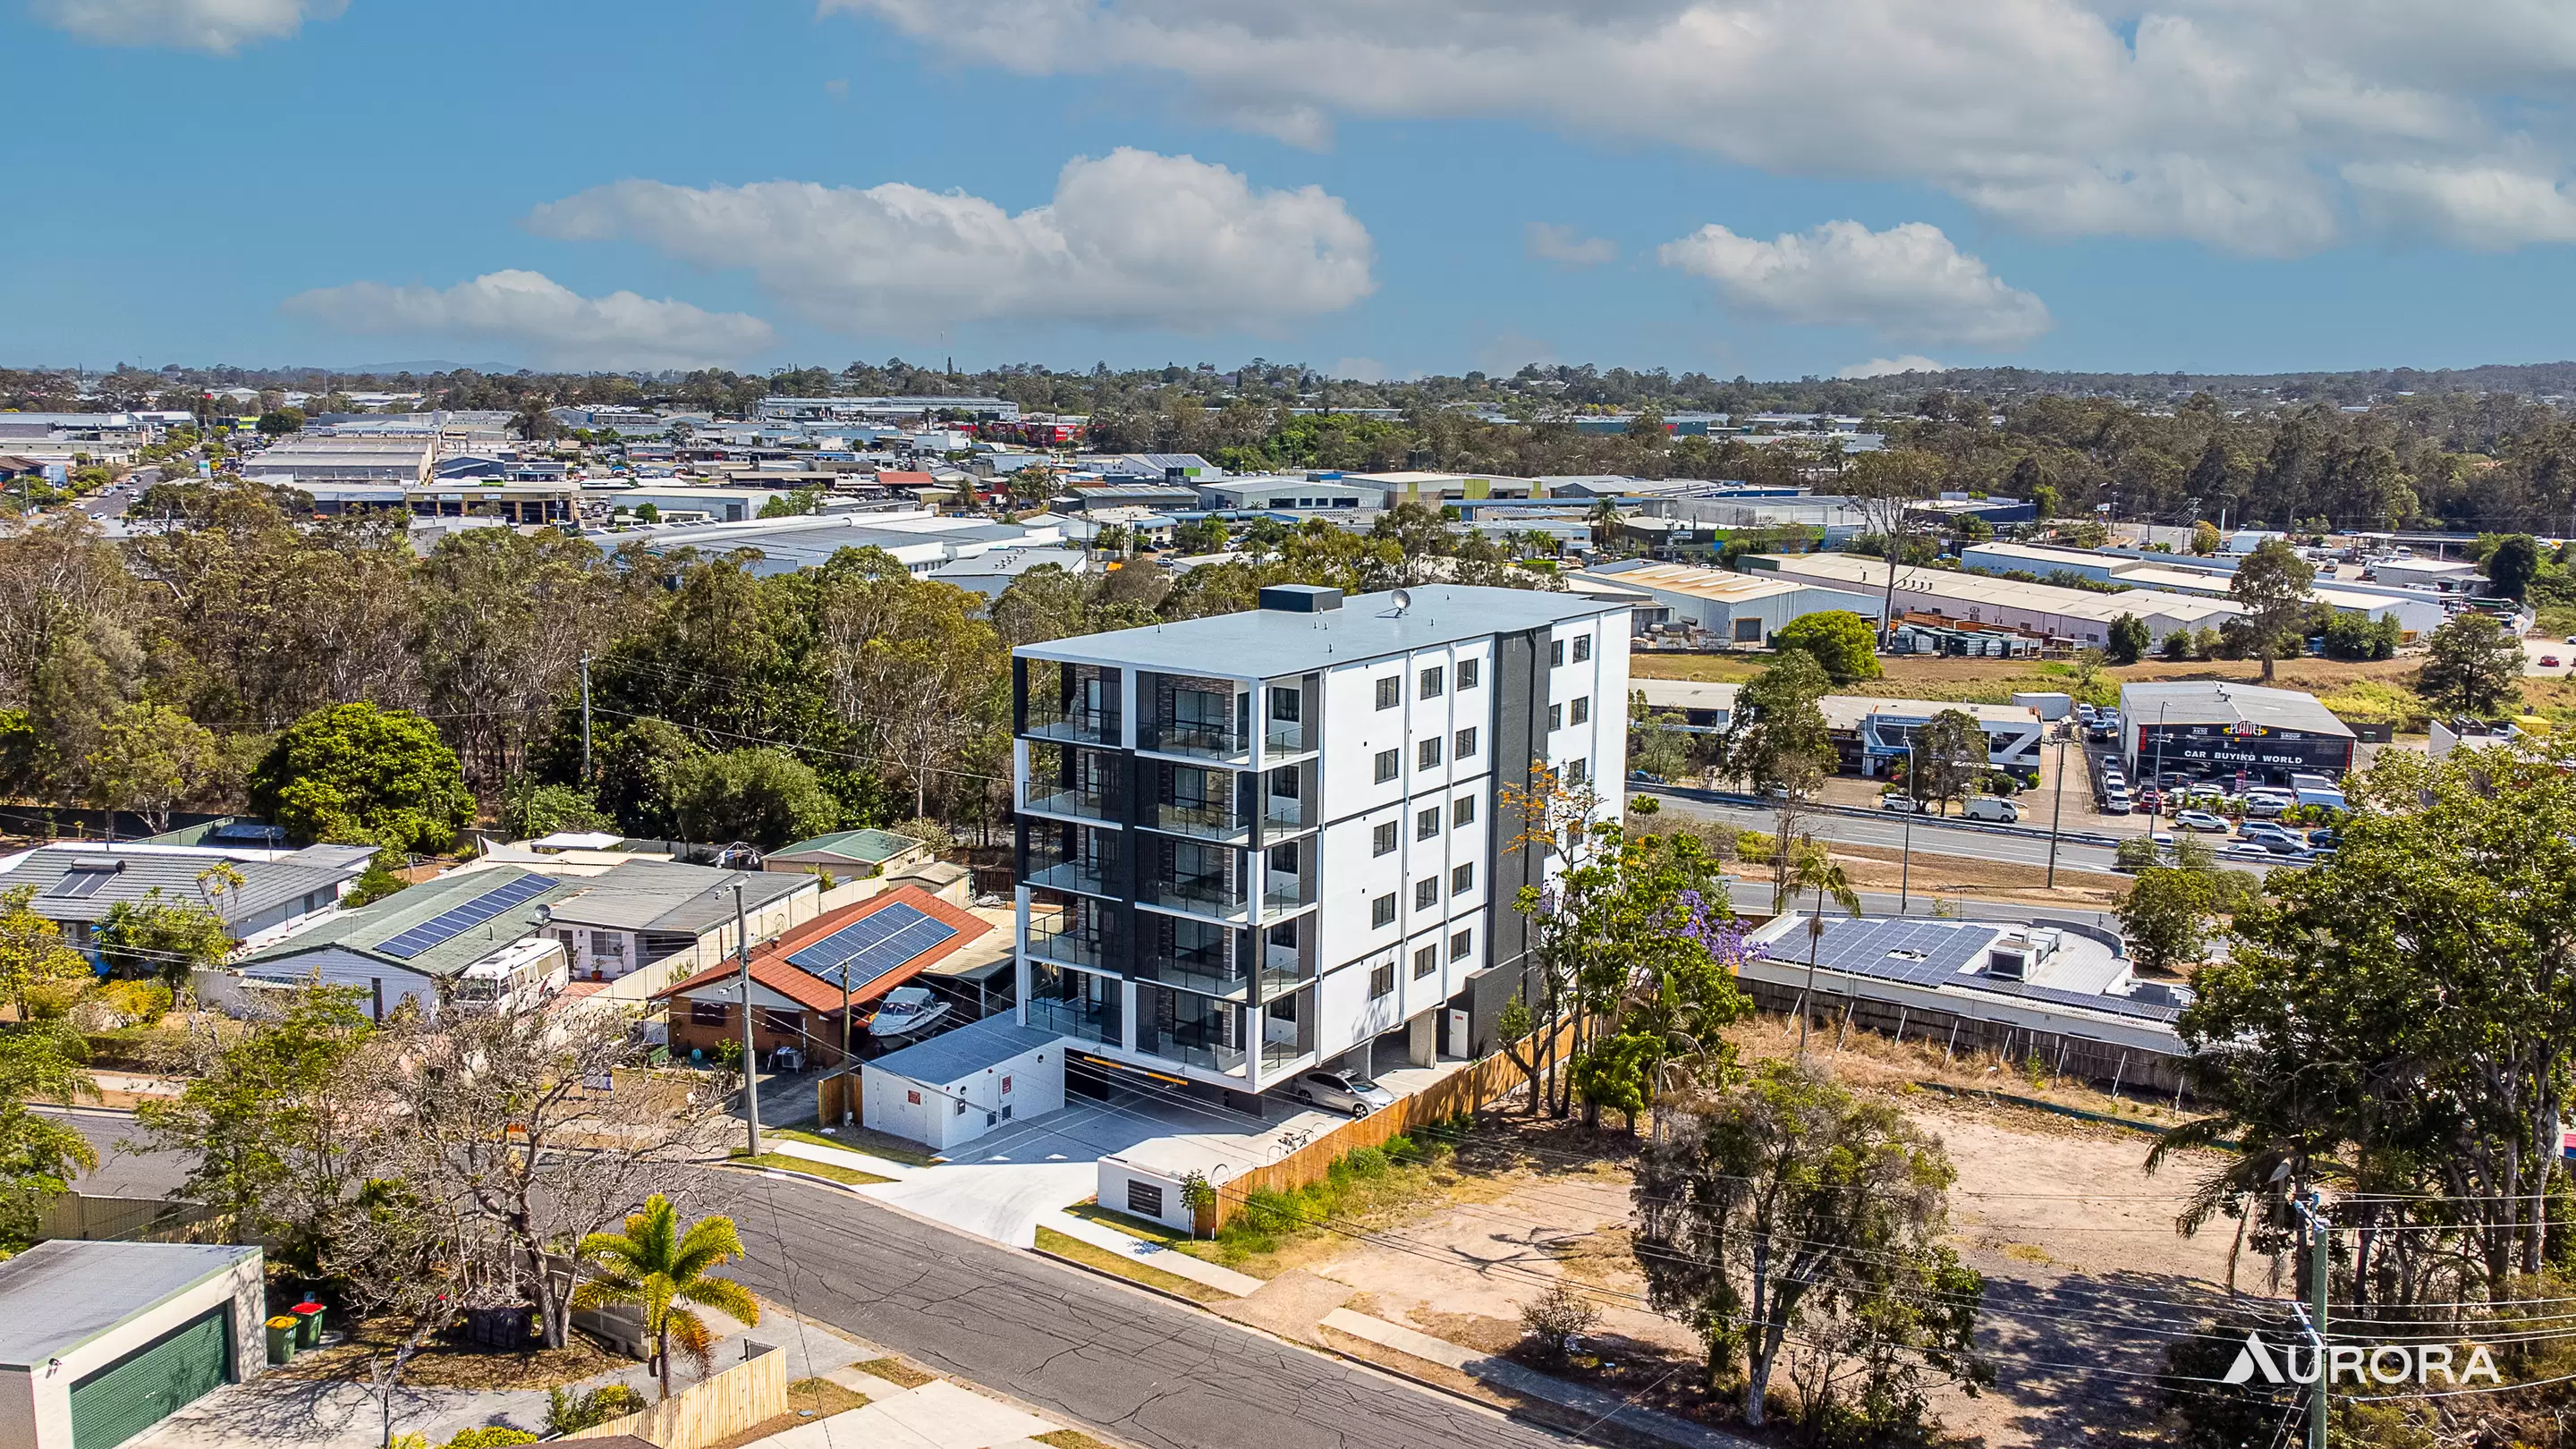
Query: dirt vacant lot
2084,1268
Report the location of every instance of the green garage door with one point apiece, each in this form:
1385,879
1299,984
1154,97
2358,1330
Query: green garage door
148,1385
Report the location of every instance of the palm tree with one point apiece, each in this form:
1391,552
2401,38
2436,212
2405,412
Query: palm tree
659,1267
1812,867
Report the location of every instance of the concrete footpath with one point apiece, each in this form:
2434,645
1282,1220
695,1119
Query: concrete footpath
1152,1254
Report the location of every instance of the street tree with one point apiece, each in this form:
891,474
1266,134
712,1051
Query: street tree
358,773
2165,915
150,759
641,769
2475,666
1786,1205
263,1122
1885,486
35,960
2273,583
665,1270
1841,641
1949,756
764,797
163,937
2400,1020
2130,639
2513,564
40,1155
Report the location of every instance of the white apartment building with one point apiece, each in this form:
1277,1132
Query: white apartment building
1261,842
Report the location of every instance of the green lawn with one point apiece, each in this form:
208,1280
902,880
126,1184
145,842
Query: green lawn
1057,1244
860,1139
832,1170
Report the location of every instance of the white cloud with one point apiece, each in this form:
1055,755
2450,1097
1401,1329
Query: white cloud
216,26
554,325
1550,242
1890,367
1907,283
2482,207
2218,120
1131,239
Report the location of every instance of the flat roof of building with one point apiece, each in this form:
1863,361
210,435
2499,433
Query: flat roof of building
1846,711
975,1047
1267,643
2203,701
58,1295
1723,586
1870,573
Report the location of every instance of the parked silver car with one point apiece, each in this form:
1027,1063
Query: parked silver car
1341,1092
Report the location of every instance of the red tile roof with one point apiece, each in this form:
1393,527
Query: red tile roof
769,964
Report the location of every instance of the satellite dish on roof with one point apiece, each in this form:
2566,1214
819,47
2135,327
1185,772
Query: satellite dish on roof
1403,602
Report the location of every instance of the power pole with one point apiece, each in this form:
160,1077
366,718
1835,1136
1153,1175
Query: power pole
2057,810
750,1056
2316,1315
585,720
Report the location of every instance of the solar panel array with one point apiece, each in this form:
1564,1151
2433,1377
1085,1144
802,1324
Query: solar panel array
449,924
1926,954
866,949
1917,953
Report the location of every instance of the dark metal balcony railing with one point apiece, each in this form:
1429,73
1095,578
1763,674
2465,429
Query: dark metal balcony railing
1286,737
1091,877
1210,971
1205,894
1282,966
1088,1020
1282,813
1280,897
1087,804
1211,741
1054,938
1214,1058
1207,821
1052,721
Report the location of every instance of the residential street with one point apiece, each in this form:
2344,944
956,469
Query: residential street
1150,1372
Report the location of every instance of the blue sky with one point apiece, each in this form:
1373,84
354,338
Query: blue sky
1723,185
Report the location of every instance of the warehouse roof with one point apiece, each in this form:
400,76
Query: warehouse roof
1870,573
2201,701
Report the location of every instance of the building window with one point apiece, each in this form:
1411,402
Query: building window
1462,812
1381,981
1425,962
1382,912
1581,711
1576,772
1466,744
1556,654
1384,843
1461,945
1427,824
1462,880
1582,647
1426,893
1145,1199
1467,673
1556,717
1426,755
1432,683
1390,691
782,1023
1388,763
709,1013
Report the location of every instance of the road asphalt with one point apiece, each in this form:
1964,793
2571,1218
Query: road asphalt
1141,1369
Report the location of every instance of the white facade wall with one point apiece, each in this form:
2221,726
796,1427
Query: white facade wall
941,1115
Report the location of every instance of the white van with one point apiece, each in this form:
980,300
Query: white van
1993,808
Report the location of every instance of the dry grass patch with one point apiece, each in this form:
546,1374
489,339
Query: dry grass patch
895,1371
451,1366
833,1170
1073,1439
1091,1255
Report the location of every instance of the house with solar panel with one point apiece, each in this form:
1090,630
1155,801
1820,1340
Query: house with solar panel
468,938
852,964
2059,992
75,886
1260,843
